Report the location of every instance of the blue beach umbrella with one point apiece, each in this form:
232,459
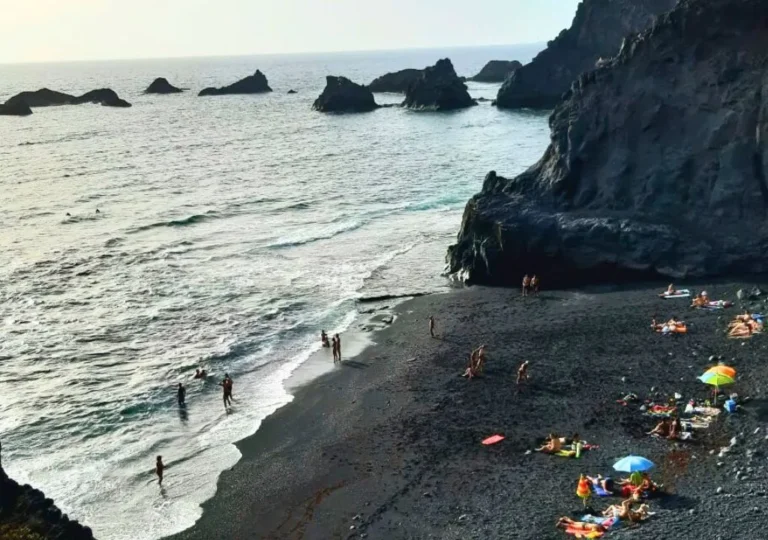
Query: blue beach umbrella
632,464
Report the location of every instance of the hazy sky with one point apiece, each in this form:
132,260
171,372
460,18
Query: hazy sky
42,30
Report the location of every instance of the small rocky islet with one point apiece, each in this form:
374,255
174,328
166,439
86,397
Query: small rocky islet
22,103
162,86
252,84
343,96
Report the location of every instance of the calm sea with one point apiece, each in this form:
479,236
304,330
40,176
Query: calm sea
230,231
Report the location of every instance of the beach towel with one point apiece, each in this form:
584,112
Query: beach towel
682,293
566,453
578,533
599,491
493,439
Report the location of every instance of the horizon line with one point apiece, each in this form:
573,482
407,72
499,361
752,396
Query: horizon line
243,55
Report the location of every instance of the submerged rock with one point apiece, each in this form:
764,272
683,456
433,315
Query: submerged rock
496,71
162,86
26,513
342,95
253,84
657,165
49,98
597,31
438,88
292,91
397,82
17,109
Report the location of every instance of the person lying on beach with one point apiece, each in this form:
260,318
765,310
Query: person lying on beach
568,523
701,300
624,511
552,446
522,372
605,483
526,284
662,429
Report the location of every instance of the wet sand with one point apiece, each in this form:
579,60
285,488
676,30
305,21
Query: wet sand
388,445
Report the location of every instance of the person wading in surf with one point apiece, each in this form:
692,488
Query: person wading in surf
181,395
159,468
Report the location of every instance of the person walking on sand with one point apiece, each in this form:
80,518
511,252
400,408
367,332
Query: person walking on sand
335,348
432,326
526,284
535,285
522,372
159,468
181,394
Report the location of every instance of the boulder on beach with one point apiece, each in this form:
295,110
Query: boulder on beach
657,164
496,71
438,88
49,98
16,109
397,82
162,86
597,31
253,84
342,95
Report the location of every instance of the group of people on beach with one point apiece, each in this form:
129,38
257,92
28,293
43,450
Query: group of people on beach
530,285
334,344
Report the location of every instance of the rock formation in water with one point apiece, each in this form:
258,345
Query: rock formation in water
253,84
596,32
49,98
496,71
16,109
658,164
342,95
162,86
397,82
25,514
438,88
292,91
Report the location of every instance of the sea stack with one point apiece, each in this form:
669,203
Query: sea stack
162,86
397,82
253,84
49,98
596,32
657,167
438,88
343,96
497,71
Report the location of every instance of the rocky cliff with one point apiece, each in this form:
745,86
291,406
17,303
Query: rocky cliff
49,98
162,86
497,71
596,32
343,96
253,84
438,88
397,82
657,164
25,514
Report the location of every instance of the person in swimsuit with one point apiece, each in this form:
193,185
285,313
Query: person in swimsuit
675,428
552,446
226,386
535,285
480,359
324,339
522,372
159,468
568,523
605,483
526,284
181,395
431,326
661,429
338,346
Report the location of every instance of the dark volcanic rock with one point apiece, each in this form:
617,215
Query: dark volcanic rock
26,513
438,88
496,71
17,109
342,95
162,86
292,91
253,84
49,98
657,166
397,82
596,31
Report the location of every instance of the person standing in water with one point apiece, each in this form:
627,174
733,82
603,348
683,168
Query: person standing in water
182,395
432,326
226,386
159,468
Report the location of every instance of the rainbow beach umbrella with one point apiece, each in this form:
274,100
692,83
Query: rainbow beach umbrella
716,379
722,370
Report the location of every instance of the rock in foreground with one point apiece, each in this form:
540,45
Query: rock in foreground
49,98
25,513
342,95
438,88
18,109
657,165
162,86
253,84
596,32
397,82
497,71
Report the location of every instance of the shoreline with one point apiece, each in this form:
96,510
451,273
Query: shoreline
389,447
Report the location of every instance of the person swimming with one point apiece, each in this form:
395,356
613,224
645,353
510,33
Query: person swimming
200,374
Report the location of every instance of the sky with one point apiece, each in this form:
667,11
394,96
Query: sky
66,30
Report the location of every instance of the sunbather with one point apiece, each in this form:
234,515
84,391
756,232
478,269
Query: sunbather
624,511
605,483
662,429
675,428
552,446
701,300
568,523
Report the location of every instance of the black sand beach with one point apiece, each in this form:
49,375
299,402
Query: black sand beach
388,446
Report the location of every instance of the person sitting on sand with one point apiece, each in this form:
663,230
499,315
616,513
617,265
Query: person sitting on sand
701,300
671,290
526,284
605,483
624,511
324,339
662,429
535,285
522,372
552,446
675,428
568,523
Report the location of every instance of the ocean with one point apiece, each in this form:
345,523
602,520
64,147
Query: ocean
230,231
